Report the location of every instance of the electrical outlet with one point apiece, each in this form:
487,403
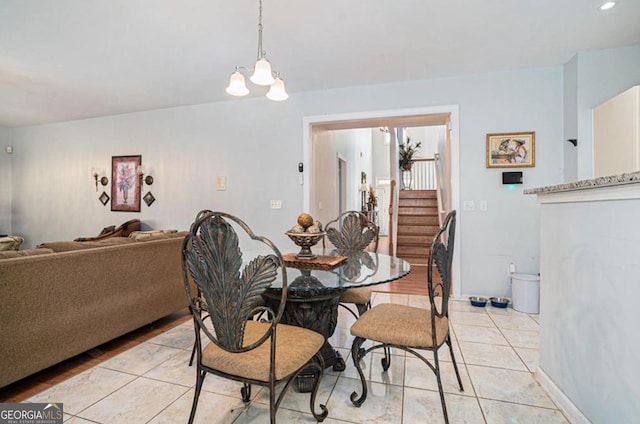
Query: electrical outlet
469,205
276,204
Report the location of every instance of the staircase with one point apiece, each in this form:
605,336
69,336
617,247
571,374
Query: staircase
417,223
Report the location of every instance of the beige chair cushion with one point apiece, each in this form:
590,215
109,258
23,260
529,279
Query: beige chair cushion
359,295
295,346
400,325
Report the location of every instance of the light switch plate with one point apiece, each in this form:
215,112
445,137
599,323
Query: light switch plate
221,183
469,205
276,204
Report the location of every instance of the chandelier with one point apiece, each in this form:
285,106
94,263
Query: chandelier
262,73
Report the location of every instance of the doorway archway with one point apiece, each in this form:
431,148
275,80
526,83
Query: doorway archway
424,116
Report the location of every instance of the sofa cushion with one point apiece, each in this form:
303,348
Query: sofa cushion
10,243
179,234
66,246
154,234
8,254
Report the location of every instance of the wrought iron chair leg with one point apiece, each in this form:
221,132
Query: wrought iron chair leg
193,354
245,391
273,406
440,389
455,365
362,307
357,355
199,381
386,361
321,416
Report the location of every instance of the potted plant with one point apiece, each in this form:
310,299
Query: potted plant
372,201
406,150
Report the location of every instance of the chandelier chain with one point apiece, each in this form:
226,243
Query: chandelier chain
261,52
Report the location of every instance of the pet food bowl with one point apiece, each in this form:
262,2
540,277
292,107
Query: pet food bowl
478,301
499,302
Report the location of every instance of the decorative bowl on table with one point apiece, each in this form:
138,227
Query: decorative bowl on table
305,241
499,302
478,301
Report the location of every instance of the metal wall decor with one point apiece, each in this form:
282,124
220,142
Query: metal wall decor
104,198
149,198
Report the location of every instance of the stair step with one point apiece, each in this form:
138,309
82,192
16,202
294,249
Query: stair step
415,239
417,194
415,210
417,230
416,251
418,202
418,220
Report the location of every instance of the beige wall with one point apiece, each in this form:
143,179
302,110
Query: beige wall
616,134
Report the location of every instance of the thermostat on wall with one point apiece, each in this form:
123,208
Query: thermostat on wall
512,178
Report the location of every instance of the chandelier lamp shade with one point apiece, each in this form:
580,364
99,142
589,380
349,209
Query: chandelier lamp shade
262,74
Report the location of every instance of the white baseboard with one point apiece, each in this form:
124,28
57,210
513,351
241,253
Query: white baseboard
571,412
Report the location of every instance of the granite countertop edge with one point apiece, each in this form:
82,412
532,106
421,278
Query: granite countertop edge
613,180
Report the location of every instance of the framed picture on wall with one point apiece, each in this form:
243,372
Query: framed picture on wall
511,150
125,184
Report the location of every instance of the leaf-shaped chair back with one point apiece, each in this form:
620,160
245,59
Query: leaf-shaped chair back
212,259
352,231
352,268
441,255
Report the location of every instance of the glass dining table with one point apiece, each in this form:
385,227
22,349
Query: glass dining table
313,294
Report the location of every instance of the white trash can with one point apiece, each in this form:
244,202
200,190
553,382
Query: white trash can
525,293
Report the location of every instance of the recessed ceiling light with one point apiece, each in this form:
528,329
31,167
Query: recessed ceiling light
608,5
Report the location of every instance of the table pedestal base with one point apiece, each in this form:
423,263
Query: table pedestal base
315,312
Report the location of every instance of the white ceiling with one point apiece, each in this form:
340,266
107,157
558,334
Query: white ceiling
69,59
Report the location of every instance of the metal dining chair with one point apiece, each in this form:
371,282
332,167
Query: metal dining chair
263,352
411,328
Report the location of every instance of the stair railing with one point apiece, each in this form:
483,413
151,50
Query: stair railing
392,195
440,191
423,174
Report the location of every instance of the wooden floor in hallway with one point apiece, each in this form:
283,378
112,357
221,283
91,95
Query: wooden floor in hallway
414,283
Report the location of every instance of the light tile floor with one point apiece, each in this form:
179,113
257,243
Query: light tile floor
496,350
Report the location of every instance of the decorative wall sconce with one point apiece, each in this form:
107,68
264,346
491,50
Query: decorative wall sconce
98,175
148,180
97,172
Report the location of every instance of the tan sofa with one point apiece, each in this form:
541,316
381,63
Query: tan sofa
59,303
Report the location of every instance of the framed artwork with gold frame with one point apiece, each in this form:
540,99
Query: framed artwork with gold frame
511,150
